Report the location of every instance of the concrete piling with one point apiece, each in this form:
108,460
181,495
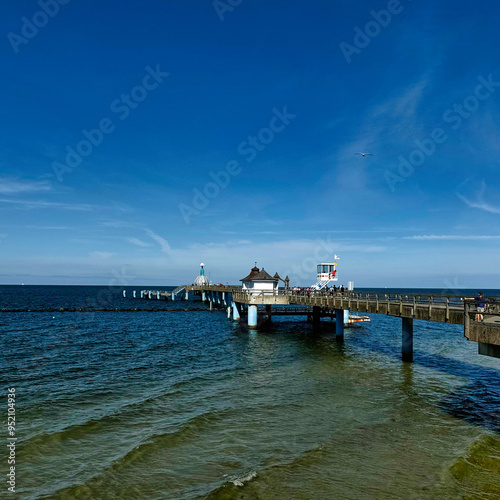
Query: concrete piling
236,313
339,324
252,316
407,341
316,316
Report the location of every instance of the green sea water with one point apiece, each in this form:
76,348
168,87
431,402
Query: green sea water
188,405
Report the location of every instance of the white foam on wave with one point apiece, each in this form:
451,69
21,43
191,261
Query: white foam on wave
240,481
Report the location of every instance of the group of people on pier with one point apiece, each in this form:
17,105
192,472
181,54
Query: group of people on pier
323,292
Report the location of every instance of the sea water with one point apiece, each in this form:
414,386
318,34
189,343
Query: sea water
172,401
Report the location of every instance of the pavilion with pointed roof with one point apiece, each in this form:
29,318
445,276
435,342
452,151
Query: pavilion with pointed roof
259,280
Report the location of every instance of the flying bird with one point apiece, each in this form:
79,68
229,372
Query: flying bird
364,154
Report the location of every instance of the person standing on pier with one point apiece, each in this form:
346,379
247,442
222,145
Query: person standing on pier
480,306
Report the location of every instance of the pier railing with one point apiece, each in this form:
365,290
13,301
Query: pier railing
432,307
351,298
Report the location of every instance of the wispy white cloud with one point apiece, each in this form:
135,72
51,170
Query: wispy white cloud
394,116
479,202
11,186
101,255
226,261
122,207
117,224
41,204
138,242
164,245
405,103
51,228
452,237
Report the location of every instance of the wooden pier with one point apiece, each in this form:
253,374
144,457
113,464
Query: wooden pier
452,309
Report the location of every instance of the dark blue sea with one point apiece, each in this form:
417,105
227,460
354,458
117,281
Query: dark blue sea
122,398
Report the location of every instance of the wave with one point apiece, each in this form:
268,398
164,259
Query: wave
479,471
94,425
245,485
141,454
240,481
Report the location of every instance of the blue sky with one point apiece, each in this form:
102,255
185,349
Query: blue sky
141,138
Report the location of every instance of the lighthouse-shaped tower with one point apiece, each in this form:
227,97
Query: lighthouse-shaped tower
201,280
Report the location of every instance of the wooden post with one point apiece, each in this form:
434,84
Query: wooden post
466,319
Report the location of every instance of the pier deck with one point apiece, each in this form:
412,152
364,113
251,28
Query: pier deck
452,309
443,309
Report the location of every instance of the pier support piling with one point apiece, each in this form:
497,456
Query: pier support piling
316,316
134,294
252,316
186,296
339,324
346,316
203,297
236,313
269,313
407,344
173,296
